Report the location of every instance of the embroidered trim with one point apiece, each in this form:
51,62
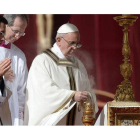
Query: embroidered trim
71,80
58,61
65,102
71,115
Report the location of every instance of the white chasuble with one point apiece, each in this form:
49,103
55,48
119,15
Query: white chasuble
15,91
51,84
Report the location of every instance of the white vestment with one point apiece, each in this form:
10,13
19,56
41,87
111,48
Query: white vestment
17,87
50,85
102,118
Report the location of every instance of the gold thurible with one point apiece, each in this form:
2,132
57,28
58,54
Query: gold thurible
89,110
125,91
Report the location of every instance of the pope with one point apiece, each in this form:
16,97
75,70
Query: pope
58,83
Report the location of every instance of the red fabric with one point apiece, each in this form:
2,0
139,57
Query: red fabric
8,46
102,37
28,43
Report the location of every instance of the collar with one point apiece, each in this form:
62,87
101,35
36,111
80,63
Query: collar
5,44
56,54
57,51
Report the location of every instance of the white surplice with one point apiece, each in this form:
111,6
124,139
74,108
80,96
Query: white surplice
17,87
49,96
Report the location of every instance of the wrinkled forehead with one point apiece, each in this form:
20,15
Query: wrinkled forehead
73,36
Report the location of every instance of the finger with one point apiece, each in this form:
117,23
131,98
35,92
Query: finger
1,62
11,77
12,73
6,63
9,72
83,100
6,69
84,97
85,93
11,80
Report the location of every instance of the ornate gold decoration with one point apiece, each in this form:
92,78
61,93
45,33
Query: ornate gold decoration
65,103
123,113
88,118
125,91
123,104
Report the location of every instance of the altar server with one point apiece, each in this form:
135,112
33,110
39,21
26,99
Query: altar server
15,78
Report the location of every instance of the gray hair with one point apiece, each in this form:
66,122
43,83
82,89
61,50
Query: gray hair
11,17
60,35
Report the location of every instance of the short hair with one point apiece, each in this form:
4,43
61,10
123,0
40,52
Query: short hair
2,19
11,18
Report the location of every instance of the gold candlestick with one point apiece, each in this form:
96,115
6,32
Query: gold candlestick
124,111
125,91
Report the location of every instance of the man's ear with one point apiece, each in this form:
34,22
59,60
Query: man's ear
58,40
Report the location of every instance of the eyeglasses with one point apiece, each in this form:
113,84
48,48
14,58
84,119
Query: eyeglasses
2,33
73,43
17,32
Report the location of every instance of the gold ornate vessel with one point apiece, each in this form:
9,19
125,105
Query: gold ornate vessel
88,118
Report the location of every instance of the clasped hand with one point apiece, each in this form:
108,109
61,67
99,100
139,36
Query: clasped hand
4,66
9,75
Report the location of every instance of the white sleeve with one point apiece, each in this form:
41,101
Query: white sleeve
21,91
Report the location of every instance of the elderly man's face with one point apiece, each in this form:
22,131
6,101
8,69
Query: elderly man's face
64,43
2,31
19,26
